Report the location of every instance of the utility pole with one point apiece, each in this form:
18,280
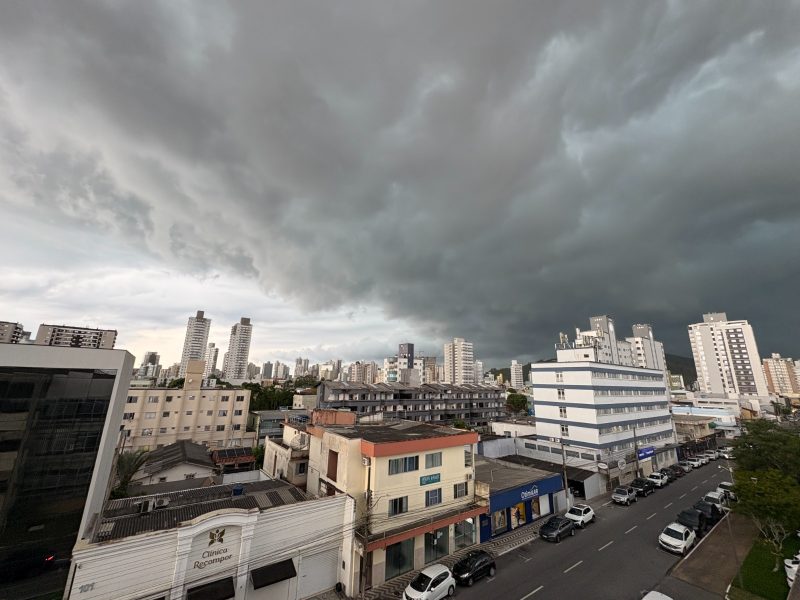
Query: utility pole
636,449
564,464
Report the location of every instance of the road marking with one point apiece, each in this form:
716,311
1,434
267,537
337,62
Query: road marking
693,489
715,474
682,496
631,529
705,481
532,593
490,579
606,546
648,518
668,505
573,566
607,503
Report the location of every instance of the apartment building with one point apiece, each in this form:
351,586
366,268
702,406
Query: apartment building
75,337
647,352
726,357
215,417
516,375
194,344
12,333
211,357
413,484
781,374
236,359
459,362
474,404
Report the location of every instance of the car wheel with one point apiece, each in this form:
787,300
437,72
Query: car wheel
450,591
572,531
492,571
470,581
558,539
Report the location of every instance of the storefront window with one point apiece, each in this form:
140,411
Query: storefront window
465,533
518,515
499,522
437,544
399,558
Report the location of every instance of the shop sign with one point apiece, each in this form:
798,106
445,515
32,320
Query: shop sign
646,452
530,493
427,479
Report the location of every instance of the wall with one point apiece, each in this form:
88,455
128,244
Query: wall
176,473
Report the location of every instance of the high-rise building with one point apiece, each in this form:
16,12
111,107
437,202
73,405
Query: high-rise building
459,362
194,344
405,356
647,352
266,370
426,365
150,367
211,356
516,375
12,333
781,375
60,409
479,371
300,367
726,357
253,371
236,358
75,337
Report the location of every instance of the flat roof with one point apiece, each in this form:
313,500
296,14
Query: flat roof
574,473
399,387
397,431
503,475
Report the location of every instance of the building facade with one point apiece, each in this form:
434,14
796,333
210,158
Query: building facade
214,417
60,410
726,357
12,333
647,352
210,357
194,344
75,337
459,362
781,375
236,359
516,376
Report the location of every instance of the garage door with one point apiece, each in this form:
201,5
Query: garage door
318,573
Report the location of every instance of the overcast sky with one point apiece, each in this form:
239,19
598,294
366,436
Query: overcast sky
352,175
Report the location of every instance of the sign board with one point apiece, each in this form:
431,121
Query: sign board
602,466
427,479
532,492
214,551
646,452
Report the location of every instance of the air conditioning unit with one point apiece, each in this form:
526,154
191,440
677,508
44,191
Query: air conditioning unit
162,503
366,461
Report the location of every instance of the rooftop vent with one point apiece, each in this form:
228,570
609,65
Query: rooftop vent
238,490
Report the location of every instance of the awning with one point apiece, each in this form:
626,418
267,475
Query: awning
280,571
222,589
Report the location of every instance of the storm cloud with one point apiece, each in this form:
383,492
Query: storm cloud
498,171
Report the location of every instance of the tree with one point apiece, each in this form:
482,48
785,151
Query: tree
517,403
128,463
305,381
772,499
176,383
258,453
460,424
765,446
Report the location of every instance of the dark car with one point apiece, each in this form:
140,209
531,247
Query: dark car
473,566
711,511
31,562
643,487
669,474
677,470
557,528
694,520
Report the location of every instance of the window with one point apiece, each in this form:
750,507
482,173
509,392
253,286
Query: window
403,465
220,427
240,398
559,376
433,497
152,399
237,427
162,430
149,415
188,413
301,468
147,432
562,412
162,480
209,413
333,464
189,475
565,430
467,456
206,428
561,394
186,428
222,413
237,413
169,398
191,397
165,413
460,489
132,400
128,416
398,506
433,460
224,399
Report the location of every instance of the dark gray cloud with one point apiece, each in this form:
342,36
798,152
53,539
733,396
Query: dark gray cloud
497,171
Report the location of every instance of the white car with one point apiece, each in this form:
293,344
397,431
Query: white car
432,583
726,487
695,462
580,514
711,454
726,453
677,538
790,566
717,498
658,478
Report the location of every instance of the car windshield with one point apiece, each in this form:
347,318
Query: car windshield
673,533
622,491
575,511
711,500
420,582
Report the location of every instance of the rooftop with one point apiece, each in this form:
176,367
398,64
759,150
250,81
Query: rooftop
394,431
502,475
183,451
124,517
574,473
399,387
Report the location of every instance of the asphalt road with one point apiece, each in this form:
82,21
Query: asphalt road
615,558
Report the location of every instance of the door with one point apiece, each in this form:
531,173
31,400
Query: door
437,544
438,588
318,573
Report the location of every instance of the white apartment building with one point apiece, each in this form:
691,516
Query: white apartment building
194,344
75,337
516,376
214,417
150,367
647,352
236,358
459,362
210,358
726,357
781,374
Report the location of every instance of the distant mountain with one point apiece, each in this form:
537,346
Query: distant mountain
681,365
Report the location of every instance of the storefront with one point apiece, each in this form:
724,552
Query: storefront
520,505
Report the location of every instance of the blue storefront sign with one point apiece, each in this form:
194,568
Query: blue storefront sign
646,452
516,506
426,479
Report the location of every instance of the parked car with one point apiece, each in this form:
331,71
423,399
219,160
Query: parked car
711,454
676,470
726,487
557,528
685,465
694,520
643,487
712,512
726,453
669,473
432,583
624,495
677,538
658,479
717,498
473,566
580,514
695,462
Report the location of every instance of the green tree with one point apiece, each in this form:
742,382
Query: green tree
305,381
772,499
127,465
460,424
258,452
765,445
176,383
517,403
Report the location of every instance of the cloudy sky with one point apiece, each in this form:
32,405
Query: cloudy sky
352,175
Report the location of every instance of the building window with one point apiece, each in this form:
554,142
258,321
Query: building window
398,506
188,413
224,399
237,427
206,428
132,400
562,412
162,430
467,456
152,400
209,413
333,464
189,475
186,428
147,432
301,468
220,427
559,376
433,460
165,413
403,465
237,413
561,394
149,415
222,413
128,416
169,398
240,398
460,489
162,480
433,497
565,430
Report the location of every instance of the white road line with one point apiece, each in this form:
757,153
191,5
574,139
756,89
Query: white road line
631,529
490,579
607,503
705,481
648,518
668,505
682,496
573,566
693,489
532,593
606,546
715,474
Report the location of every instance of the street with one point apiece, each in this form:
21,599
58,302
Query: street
615,558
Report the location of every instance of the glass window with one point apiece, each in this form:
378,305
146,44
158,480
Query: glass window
240,398
209,413
565,430
403,465
237,413
562,412
220,427
433,460
152,400
433,497
132,400
223,413
437,544
467,456
460,489
224,398
399,558
464,533
149,415
301,468
398,506
188,413
165,413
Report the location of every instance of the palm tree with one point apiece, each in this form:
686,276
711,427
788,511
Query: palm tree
128,464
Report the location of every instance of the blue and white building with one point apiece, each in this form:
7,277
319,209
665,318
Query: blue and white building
600,413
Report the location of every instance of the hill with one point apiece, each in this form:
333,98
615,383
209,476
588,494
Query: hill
681,365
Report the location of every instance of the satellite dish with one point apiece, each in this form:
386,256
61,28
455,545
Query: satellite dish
621,464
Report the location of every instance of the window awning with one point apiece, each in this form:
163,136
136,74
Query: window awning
280,571
222,589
